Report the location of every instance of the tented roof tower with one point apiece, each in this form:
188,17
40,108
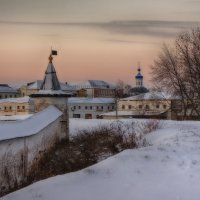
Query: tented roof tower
50,81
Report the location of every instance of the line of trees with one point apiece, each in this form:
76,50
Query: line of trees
177,70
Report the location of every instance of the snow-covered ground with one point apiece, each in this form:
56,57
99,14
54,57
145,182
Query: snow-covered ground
169,169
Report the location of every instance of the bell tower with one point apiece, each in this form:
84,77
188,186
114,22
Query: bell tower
139,78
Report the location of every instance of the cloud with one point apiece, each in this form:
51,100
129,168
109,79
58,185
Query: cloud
131,41
193,1
148,28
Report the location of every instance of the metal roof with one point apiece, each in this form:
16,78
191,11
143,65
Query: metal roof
5,88
89,84
50,81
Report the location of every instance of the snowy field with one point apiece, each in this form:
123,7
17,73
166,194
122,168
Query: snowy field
169,169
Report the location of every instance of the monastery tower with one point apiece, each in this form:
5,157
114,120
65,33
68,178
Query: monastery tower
50,93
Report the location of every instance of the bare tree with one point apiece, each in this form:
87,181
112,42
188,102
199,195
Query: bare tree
124,87
177,70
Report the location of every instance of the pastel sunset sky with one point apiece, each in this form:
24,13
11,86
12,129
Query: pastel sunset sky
95,39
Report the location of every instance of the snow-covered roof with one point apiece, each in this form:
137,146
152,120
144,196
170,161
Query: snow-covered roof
51,92
30,126
67,87
16,100
5,88
133,113
34,85
91,84
150,96
37,85
84,100
15,117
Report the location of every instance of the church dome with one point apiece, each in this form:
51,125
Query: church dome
139,75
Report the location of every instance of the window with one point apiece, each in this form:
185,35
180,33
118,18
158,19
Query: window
108,107
113,107
18,107
23,107
88,116
79,107
147,107
123,107
102,107
6,96
5,108
164,106
74,107
10,96
0,96
76,116
140,106
129,106
90,107
86,107
157,106
10,107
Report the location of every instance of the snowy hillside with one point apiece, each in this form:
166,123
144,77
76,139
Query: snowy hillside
167,170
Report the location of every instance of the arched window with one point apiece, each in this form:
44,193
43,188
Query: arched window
147,107
129,107
123,107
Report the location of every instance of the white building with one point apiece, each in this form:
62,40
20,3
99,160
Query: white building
146,105
93,88
89,108
16,106
7,92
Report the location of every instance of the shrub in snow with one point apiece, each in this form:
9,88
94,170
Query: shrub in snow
87,147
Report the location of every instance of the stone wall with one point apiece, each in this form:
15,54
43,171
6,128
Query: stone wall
18,154
60,102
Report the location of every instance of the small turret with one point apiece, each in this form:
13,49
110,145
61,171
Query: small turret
138,86
139,78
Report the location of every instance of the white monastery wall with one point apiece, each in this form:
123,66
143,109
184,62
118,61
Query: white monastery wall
18,153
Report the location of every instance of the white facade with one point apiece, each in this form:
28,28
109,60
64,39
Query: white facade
89,108
147,105
16,106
